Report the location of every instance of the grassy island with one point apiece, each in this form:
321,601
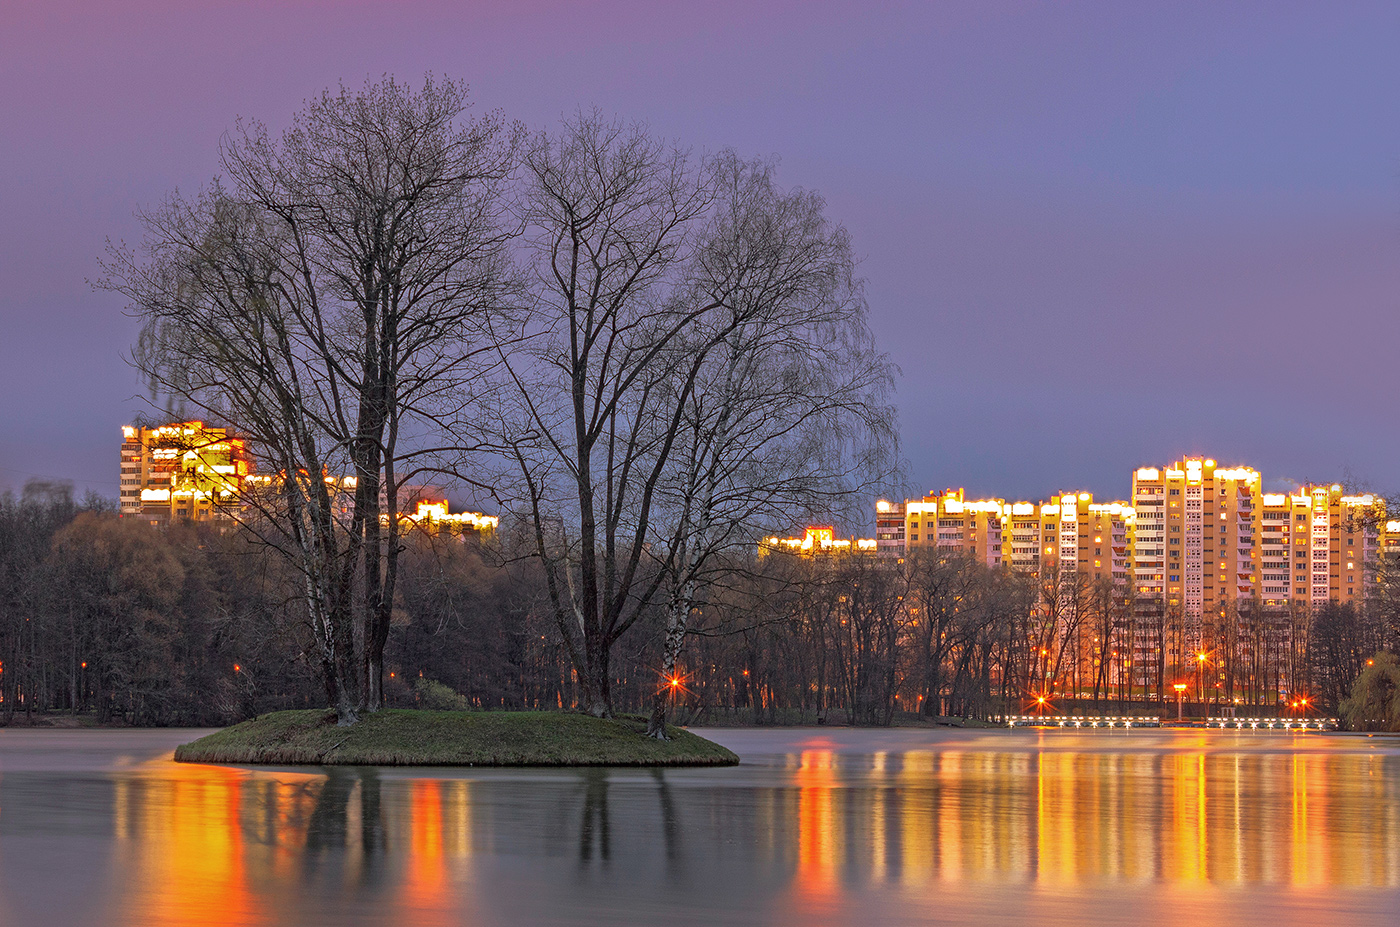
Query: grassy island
399,737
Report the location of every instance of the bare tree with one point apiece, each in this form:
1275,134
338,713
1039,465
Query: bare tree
590,412
787,415
940,584
320,300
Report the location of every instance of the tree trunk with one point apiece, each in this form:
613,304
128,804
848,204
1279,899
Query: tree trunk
670,652
597,687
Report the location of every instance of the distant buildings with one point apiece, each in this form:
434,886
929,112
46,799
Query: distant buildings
187,471
434,517
181,471
1071,534
1195,536
815,542
1204,567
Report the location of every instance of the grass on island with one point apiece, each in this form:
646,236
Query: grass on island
412,737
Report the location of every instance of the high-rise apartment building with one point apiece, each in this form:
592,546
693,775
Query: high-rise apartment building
947,521
889,528
1090,540
1072,532
181,471
1318,544
1201,576
1197,535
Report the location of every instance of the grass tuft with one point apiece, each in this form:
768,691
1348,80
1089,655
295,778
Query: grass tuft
407,737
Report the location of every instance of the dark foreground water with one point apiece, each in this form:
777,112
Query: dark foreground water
816,827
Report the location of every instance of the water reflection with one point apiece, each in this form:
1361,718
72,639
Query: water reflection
595,816
813,831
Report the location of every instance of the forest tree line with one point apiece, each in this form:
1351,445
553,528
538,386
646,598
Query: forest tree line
202,624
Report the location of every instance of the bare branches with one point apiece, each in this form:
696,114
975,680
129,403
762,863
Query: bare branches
666,355
329,300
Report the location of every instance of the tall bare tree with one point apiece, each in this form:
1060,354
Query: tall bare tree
697,358
589,412
324,297
788,416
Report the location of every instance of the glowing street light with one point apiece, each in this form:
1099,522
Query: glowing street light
1180,688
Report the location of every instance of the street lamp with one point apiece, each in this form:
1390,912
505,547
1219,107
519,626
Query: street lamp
1180,688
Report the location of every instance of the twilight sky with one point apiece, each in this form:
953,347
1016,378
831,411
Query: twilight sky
1095,235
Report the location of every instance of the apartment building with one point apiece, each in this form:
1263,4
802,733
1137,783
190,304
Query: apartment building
1197,535
889,528
1211,576
1088,539
180,471
948,521
1316,544
434,516
1072,532
815,541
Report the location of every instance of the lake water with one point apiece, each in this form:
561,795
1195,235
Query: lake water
815,827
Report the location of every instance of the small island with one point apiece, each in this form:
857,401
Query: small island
414,737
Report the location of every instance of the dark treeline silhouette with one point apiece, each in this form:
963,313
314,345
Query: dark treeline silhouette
198,624
138,624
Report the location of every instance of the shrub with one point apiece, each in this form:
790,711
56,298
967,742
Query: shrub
435,696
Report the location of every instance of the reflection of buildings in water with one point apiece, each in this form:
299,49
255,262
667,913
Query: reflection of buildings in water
923,820
918,851
200,837
183,835
815,778
1065,818
1185,840
437,833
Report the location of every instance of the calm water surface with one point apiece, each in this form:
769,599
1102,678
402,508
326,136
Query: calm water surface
816,827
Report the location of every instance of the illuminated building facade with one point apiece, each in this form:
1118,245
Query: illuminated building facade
1195,536
1318,544
1214,578
1197,539
1087,539
889,528
817,540
181,471
949,522
1073,533
434,517
1220,563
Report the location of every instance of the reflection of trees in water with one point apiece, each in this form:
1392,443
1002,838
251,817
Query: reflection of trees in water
1170,810
670,818
327,827
595,816
595,823
348,797
372,833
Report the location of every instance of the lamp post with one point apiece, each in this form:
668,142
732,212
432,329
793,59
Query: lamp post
1180,694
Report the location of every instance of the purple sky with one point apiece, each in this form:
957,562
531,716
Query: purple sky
1095,235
